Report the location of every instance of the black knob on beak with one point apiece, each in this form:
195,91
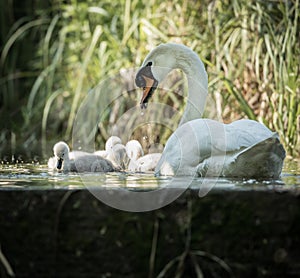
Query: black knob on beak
139,80
143,72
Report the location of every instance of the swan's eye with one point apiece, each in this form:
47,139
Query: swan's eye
149,64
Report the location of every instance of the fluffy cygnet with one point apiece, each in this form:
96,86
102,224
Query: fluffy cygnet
84,162
118,156
138,161
111,141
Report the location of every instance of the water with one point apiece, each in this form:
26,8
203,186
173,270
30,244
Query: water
69,236
36,176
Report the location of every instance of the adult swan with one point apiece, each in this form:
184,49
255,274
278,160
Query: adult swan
244,148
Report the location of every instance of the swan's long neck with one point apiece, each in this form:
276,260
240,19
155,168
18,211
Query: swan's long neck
196,74
195,101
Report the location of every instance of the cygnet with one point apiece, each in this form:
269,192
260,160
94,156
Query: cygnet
84,162
138,161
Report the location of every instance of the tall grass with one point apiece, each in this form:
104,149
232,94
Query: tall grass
257,53
251,50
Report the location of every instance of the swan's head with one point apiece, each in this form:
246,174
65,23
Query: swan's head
61,152
160,61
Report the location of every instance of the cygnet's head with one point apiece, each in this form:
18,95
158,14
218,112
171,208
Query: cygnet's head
134,149
61,152
118,156
111,141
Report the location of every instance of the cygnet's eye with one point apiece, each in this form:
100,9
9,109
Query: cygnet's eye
149,64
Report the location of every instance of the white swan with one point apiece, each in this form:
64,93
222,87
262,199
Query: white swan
244,148
82,162
138,161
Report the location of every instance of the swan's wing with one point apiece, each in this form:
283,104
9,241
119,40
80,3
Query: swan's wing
261,160
242,134
206,137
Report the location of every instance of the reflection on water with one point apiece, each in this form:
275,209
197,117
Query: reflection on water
35,176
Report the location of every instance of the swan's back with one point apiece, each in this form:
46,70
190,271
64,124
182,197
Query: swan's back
244,133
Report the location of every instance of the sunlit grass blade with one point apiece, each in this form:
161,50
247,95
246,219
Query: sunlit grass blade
46,113
96,35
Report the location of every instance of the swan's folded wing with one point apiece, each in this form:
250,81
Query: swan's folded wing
261,160
242,134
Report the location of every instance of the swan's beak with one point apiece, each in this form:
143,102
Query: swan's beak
59,163
147,91
144,79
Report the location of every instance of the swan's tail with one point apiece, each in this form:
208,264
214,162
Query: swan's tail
262,160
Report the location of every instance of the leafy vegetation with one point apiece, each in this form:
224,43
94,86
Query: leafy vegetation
54,53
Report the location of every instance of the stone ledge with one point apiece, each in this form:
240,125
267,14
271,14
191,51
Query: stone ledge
71,234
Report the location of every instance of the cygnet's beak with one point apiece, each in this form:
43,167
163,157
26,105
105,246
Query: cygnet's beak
59,163
144,79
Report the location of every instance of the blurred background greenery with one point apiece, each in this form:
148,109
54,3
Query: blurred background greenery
53,52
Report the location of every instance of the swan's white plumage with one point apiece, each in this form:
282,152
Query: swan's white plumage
81,161
169,56
207,147
138,161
